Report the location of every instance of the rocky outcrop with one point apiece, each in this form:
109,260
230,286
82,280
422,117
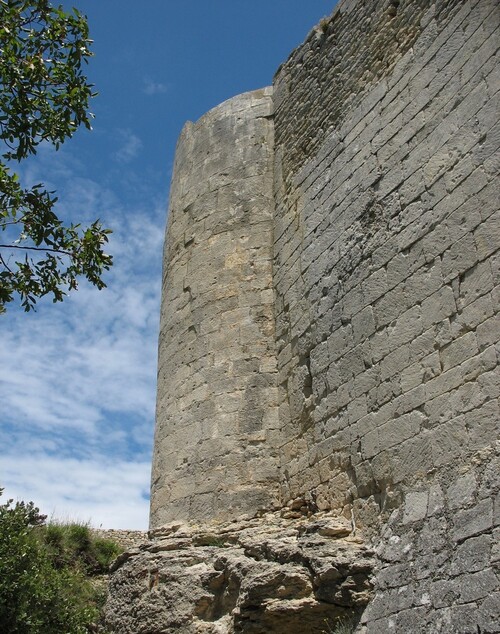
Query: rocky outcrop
276,573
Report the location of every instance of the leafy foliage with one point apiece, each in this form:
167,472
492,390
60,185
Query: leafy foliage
46,571
44,97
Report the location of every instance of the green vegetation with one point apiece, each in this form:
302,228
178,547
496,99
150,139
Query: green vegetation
324,23
343,626
73,545
44,98
49,573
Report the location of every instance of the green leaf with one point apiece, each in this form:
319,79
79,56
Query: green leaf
44,96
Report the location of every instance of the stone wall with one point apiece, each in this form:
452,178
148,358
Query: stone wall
369,274
217,394
386,272
125,538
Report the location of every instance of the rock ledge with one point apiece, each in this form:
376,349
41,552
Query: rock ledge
265,574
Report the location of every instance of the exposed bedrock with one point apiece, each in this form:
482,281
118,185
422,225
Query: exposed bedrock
267,574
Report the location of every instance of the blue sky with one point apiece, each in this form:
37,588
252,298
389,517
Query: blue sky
77,380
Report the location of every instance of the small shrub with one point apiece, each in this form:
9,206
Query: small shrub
345,625
323,24
74,545
78,537
46,584
104,551
51,537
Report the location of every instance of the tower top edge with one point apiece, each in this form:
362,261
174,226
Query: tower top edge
243,102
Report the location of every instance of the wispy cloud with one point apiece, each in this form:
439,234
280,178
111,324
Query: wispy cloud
129,148
154,88
111,495
77,379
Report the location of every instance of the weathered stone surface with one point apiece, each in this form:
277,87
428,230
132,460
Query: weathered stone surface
214,455
267,574
125,538
382,120
330,339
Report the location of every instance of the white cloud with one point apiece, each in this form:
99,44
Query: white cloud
130,147
154,88
94,491
94,352
78,379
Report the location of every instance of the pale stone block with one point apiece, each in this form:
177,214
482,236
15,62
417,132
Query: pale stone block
474,521
436,500
488,333
459,351
460,257
462,491
438,306
363,325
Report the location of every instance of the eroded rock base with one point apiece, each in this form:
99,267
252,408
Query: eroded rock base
267,574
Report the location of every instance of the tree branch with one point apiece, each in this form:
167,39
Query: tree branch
46,249
5,264
11,222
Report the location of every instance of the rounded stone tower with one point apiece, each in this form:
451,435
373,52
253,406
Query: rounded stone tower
217,404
